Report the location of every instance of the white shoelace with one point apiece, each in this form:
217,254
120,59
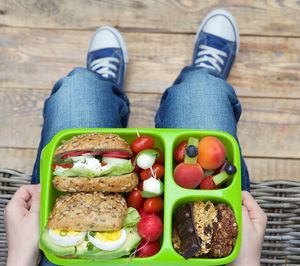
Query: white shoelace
105,67
210,55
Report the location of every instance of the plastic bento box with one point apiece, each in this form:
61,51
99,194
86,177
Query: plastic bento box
174,195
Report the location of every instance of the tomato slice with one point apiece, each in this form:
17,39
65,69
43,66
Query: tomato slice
63,165
78,153
116,154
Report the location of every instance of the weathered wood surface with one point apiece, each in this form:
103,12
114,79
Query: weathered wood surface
259,168
267,17
268,127
265,66
43,40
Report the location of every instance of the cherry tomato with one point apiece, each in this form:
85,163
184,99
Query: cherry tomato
142,143
135,199
157,169
140,186
180,151
161,158
155,204
116,154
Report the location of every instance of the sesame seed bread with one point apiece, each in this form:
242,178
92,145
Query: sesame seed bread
122,183
92,142
88,212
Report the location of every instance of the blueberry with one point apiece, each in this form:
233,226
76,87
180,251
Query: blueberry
191,151
230,169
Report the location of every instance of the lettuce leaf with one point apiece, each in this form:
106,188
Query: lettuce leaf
77,172
118,169
132,217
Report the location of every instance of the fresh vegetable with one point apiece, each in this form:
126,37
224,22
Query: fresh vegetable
157,169
132,217
152,187
63,165
140,186
150,227
116,154
180,151
152,205
211,153
143,213
142,143
147,249
135,199
146,158
161,158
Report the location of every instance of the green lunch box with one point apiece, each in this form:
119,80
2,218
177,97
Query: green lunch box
174,195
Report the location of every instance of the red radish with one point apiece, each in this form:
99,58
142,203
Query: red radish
143,213
142,143
147,249
208,183
180,151
135,199
188,175
150,227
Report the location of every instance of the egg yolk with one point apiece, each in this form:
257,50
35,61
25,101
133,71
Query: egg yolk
108,236
65,232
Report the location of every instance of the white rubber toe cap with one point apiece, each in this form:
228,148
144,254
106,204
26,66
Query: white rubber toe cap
221,23
108,37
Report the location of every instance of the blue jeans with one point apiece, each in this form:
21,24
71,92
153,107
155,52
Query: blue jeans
198,99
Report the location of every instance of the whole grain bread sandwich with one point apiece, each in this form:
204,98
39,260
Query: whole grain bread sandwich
91,225
94,162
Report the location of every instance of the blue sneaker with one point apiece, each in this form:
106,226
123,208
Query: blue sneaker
217,42
107,55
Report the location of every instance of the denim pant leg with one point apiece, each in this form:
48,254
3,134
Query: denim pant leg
200,99
82,99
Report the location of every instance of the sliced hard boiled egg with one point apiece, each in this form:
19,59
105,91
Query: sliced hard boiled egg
65,238
108,240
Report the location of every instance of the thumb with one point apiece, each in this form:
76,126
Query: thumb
35,202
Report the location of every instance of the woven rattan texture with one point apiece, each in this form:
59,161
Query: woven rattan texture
280,199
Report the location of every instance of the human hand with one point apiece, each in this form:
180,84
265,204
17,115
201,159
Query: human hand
254,225
22,226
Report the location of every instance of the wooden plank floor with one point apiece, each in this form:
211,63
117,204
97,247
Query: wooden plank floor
41,41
